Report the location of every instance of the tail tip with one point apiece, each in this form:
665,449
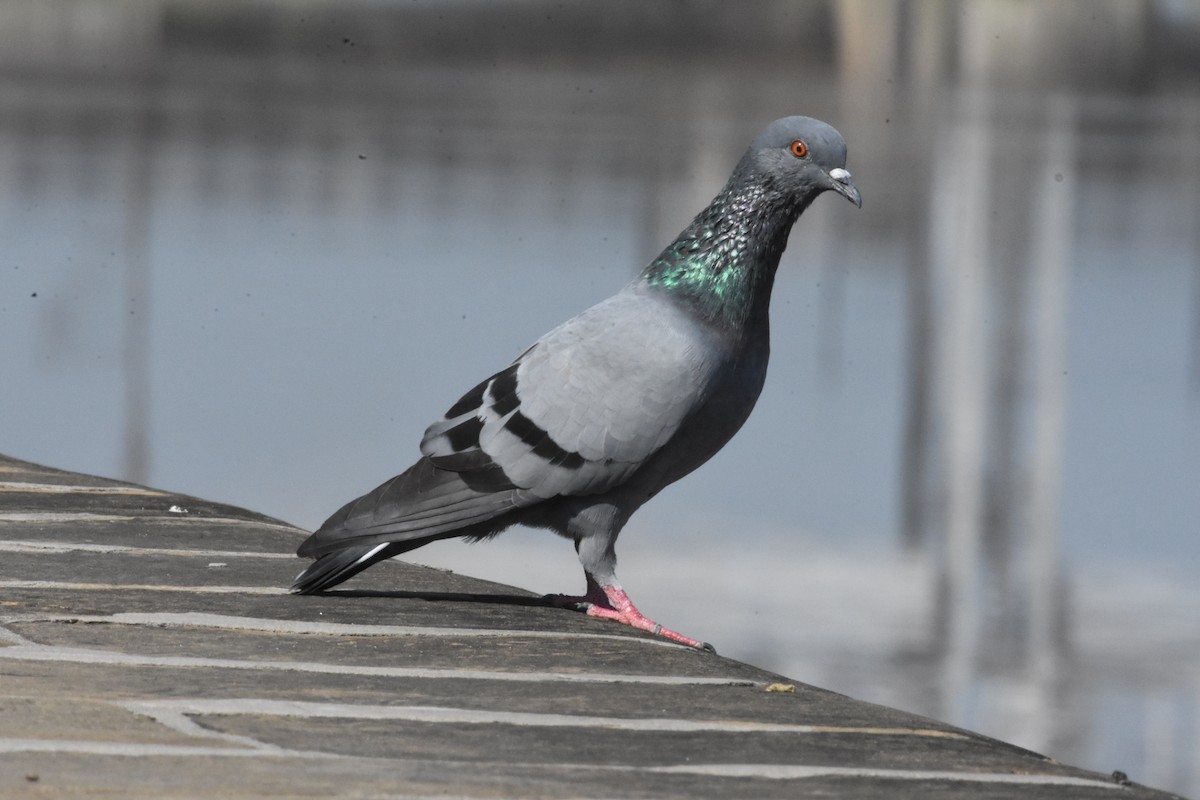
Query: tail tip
298,586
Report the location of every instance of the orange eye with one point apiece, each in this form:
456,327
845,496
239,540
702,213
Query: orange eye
799,149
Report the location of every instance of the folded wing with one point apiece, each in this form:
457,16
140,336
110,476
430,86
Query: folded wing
581,410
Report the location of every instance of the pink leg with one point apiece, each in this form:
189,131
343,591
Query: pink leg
611,602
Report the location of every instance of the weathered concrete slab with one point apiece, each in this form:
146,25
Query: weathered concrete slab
148,648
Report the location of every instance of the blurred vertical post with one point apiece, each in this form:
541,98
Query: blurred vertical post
1192,123
137,284
869,37
962,263
930,31
1053,225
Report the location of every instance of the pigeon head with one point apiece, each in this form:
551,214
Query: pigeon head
722,266
801,157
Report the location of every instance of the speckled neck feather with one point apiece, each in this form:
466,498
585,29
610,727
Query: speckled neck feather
723,264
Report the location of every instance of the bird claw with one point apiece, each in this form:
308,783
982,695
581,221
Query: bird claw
611,603
636,619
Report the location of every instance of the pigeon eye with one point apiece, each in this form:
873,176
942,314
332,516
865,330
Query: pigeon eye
799,149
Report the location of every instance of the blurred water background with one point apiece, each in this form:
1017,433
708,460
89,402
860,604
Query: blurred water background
251,249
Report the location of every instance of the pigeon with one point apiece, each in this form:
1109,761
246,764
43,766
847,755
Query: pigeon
607,409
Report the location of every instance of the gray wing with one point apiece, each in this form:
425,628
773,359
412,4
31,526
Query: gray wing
580,411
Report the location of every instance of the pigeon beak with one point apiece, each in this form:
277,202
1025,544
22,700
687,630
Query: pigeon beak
844,186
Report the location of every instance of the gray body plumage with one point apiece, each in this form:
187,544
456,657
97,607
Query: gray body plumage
637,396
616,403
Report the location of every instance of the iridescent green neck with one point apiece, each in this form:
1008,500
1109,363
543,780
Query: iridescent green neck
723,265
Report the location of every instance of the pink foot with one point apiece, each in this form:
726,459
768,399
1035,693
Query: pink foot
611,602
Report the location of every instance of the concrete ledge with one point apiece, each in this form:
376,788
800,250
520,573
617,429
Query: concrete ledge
148,648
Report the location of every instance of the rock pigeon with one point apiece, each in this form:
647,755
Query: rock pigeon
613,405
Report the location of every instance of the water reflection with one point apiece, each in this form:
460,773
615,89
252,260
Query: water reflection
251,251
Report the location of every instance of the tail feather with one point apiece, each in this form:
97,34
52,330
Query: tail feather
423,503
419,506
333,568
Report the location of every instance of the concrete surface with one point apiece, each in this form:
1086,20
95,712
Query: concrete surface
148,648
